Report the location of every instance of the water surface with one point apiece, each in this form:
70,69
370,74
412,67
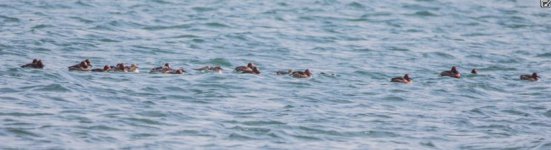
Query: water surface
359,45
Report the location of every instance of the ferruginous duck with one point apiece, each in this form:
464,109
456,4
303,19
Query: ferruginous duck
243,69
163,69
82,66
533,77
452,73
302,74
120,68
404,79
37,64
133,68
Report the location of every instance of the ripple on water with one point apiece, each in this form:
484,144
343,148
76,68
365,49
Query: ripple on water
144,122
19,114
424,13
171,27
547,114
41,26
262,123
23,132
216,25
203,9
438,55
545,55
6,19
8,98
516,112
394,98
356,5
395,48
7,90
220,61
253,130
101,128
237,136
54,88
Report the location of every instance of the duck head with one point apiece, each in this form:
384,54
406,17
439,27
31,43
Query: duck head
120,66
106,68
406,76
454,70
35,61
166,65
474,71
307,72
83,64
535,76
88,63
250,65
255,70
456,73
39,64
134,66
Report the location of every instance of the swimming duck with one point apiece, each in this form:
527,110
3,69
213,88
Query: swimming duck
243,69
253,71
177,71
452,73
284,72
474,71
82,66
302,74
105,68
163,69
533,77
210,68
120,68
132,68
37,64
404,79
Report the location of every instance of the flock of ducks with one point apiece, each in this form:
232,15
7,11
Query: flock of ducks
86,65
455,74
250,68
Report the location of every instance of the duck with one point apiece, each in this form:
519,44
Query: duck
533,77
163,69
37,64
243,69
82,66
177,71
404,79
210,69
302,74
105,68
474,71
133,68
452,73
281,72
254,70
120,68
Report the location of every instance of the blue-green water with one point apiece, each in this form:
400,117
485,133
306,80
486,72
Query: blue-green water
360,45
